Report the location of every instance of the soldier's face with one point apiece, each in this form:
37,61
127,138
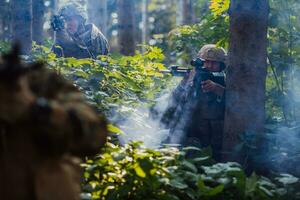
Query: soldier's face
72,24
213,66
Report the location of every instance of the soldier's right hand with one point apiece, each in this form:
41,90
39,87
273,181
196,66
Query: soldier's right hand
210,86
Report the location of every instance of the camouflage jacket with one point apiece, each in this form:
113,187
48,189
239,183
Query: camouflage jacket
45,126
88,44
188,98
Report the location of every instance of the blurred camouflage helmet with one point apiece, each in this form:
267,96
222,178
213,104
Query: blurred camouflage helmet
213,53
72,10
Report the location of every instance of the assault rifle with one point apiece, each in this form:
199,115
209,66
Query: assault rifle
202,74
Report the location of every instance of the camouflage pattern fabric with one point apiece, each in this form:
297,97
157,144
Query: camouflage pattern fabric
45,128
88,44
195,117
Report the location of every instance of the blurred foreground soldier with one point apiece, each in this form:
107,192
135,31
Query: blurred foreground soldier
75,38
196,113
45,128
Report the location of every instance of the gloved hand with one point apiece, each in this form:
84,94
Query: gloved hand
57,23
210,86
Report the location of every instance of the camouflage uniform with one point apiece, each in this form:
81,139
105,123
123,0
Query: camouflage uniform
87,43
196,117
45,128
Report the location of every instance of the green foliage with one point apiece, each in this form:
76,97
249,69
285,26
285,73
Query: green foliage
284,49
133,172
219,7
110,82
4,47
187,40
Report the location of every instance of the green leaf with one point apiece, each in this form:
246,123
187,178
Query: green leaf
178,183
189,166
113,129
216,190
287,179
139,171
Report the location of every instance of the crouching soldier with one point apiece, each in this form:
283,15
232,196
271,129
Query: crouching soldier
196,113
45,128
75,38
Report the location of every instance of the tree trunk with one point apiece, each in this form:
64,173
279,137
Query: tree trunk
53,11
22,24
126,26
5,20
97,13
38,11
145,21
179,12
184,12
2,8
247,68
187,9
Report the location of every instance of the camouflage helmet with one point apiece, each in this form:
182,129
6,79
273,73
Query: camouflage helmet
72,10
213,53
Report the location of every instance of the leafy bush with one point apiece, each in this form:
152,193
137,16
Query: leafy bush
212,28
133,172
110,82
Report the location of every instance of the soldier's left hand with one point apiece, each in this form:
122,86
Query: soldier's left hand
210,86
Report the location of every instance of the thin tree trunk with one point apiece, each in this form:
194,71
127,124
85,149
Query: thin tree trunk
184,13
53,11
97,13
2,8
187,9
126,26
38,11
179,12
145,21
22,24
245,90
5,20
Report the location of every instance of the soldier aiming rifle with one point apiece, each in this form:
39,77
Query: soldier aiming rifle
196,112
75,38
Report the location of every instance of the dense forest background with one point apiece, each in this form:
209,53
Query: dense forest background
146,37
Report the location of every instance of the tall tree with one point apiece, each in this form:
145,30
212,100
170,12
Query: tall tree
187,11
22,23
179,12
184,11
126,26
2,8
145,21
97,14
247,67
53,10
5,20
38,11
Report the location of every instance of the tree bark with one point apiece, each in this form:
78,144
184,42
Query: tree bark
5,20
179,12
126,26
145,21
184,12
246,74
22,24
187,12
97,13
2,8
38,11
